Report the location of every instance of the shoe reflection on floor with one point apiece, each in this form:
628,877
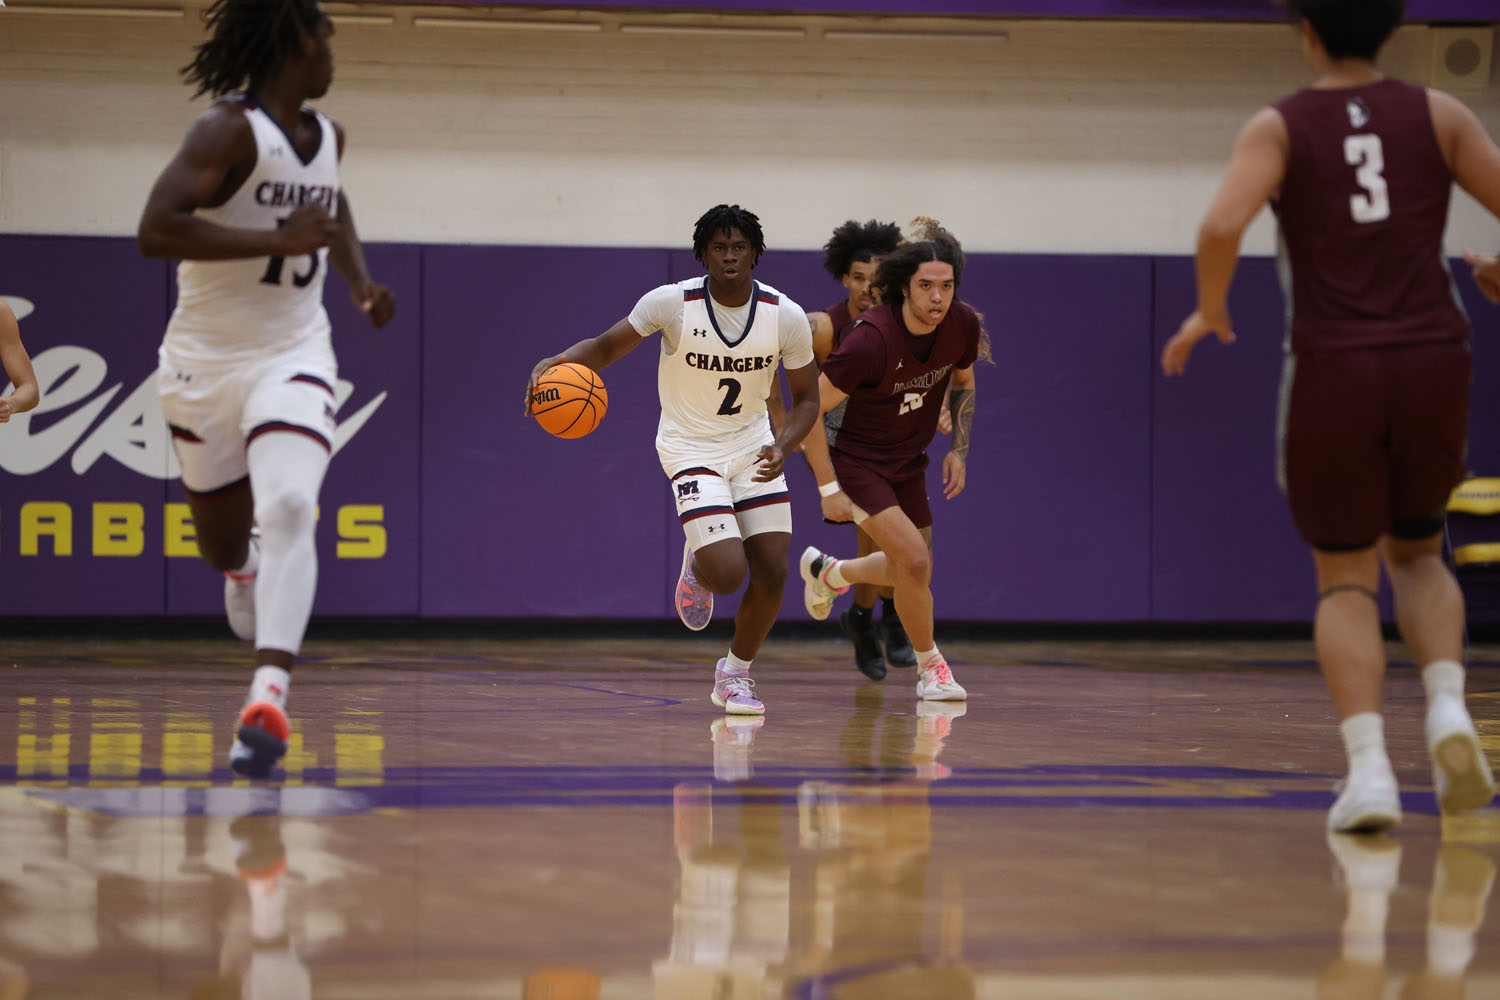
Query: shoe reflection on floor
1369,867
258,960
857,908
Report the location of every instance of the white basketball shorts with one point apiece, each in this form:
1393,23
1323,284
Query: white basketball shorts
215,411
719,500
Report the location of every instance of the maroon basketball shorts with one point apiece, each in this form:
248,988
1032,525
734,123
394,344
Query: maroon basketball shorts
873,489
1373,441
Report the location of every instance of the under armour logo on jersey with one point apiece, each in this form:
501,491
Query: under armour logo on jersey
699,333
911,401
715,527
687,489
899,363
1359,114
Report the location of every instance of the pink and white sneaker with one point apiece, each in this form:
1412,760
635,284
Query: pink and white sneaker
734,691
817,593
695,602
935,681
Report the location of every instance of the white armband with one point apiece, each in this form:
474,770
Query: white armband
829,489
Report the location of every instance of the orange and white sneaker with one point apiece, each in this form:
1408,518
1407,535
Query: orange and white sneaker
261,739
935,681
263,728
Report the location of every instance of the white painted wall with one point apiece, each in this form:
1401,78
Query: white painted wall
1069,136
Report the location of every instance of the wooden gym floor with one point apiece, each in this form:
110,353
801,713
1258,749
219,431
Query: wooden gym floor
570,819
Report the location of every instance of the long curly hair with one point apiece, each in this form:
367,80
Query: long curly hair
928,242
247,40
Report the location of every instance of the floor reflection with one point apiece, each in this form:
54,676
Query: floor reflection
258,960
855,906
1369,867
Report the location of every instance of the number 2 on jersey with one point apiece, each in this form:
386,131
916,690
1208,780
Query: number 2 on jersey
1367,156
275,265
730,406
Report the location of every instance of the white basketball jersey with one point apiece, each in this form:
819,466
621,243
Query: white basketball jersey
232,310
714,381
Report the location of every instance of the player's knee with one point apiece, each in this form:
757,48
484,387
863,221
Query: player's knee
912,562
769,575
287,513
720,573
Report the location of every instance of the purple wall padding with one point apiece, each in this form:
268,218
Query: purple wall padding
1098,490
97,302
1223,543
518,523
1053,524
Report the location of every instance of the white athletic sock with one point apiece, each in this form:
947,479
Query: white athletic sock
271,684
1443,678
734,665
286,472
923,655
832,574
1364,741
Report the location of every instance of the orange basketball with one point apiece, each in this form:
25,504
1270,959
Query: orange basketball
569,400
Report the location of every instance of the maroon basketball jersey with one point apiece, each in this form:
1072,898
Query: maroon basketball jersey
894,392
1362,211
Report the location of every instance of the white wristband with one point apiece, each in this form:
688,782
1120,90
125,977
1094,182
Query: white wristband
829,489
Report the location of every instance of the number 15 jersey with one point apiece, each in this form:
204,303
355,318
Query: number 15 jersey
1362,210
237,310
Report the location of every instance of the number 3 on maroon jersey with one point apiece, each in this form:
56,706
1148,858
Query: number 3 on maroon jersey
1365,154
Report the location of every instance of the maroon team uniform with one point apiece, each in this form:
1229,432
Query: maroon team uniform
1376,400
895,382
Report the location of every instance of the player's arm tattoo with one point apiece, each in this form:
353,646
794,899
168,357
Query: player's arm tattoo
961,408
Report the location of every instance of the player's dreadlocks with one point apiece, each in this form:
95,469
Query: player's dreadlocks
247,40
722,219
856,243
929,242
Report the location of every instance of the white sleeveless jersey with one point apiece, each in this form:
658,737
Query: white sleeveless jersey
713,382
235,310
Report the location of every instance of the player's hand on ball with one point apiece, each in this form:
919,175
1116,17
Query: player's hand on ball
376,302
1174,356
955,474
772,462
837,507
536,373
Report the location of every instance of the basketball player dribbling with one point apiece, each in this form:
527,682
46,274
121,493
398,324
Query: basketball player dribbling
252,207
16,365
1359,169
892,367
723,336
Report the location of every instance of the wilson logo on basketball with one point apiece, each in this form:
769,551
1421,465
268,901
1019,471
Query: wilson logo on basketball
546,396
